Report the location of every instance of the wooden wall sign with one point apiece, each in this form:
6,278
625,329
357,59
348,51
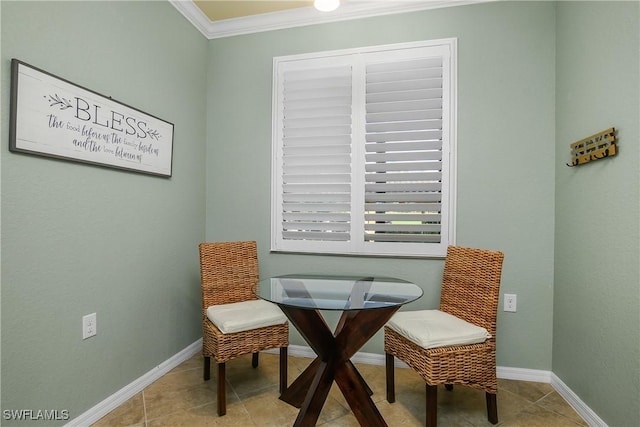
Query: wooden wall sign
594,147
53,117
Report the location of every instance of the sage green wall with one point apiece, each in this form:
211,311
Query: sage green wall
596,335
78,239
506,125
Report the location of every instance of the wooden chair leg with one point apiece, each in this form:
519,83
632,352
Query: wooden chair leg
254,360
391,381
207,368
492,408
283,369
432,406
222,392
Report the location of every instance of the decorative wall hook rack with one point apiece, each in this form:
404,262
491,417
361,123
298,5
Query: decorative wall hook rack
594,147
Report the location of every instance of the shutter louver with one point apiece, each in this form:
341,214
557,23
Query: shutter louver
403,151
316,154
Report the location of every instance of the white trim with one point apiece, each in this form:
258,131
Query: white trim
127,392
121,396
344,237
296,351
576,403
521,374
452,179
305,15
507,373
503,372
193,14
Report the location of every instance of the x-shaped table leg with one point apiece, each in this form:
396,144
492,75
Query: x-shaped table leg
309,391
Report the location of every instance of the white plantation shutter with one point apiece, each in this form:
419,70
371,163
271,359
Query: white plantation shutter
403,144
363,151
316,160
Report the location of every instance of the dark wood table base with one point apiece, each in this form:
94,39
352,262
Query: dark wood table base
309,391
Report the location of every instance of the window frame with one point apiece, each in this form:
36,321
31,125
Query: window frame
357,245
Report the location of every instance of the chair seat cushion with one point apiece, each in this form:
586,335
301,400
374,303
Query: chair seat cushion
435,328
245,315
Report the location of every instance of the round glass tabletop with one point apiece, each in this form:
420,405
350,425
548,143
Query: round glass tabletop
325,292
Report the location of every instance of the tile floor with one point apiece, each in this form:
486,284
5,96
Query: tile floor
182,398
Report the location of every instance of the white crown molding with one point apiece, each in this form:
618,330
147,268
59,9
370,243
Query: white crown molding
305,16
193,14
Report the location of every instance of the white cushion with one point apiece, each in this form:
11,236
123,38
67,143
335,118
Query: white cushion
435,328
245,315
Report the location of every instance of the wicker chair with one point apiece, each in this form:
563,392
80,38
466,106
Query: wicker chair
470,291
229,273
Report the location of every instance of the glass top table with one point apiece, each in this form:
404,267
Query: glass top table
322,292
367,303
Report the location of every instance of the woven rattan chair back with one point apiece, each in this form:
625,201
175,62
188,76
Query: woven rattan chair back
471,285
229,272
470,291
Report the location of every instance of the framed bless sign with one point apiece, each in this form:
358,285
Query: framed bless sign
53,117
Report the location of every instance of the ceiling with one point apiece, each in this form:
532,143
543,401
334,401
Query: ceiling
225,18
217,10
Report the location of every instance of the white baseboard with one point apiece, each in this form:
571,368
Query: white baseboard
503,372
520,374
127,392
576,403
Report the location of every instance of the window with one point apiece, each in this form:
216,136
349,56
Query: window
364,151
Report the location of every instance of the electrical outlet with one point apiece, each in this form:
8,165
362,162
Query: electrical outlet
510,302
89,326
